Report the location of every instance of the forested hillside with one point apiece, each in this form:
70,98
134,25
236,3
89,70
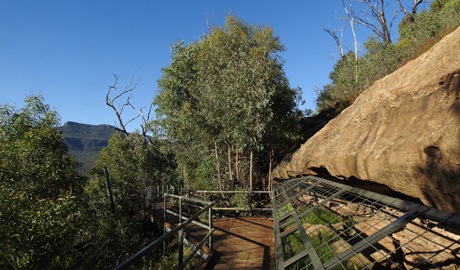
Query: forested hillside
85,143
359,68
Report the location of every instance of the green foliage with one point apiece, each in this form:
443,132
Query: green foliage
235,68
225,93
43,208
380,60
437,5
132,165
113,239
241,200
203,175
320,216
425,25
41,200
345,84
350,77
293,244
170,261
450,14
321,242
49,221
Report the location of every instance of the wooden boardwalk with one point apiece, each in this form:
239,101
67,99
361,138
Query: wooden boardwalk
238,243
242,243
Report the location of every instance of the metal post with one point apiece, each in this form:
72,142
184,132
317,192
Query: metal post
164,222
181,239
154,207
210,227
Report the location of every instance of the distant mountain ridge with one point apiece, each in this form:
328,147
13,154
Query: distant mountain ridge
85,142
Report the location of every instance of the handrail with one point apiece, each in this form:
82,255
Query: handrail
230,191
188,199
209,192
155,244
201,224
195,250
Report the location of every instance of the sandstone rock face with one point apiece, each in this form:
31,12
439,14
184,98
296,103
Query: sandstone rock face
403,132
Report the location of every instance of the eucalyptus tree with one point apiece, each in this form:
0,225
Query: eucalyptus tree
236,68
128,165
116,191
219,93
181,117
41,195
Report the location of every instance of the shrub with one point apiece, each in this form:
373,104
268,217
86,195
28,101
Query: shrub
449,16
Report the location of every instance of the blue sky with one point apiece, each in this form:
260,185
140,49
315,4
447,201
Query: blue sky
68,51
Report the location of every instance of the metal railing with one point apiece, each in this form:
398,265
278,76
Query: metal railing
319,224
183,202
206,206
222,199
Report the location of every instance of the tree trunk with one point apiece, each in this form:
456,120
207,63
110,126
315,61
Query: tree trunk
351,20
216,153
229,158
109,190
237,169
270,164
250,168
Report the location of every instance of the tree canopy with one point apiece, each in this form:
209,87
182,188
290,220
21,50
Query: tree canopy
220,96
41,195
418,31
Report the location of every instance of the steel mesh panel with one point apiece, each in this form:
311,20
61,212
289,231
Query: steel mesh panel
321,224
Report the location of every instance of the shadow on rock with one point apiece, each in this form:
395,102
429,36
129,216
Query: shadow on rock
441,187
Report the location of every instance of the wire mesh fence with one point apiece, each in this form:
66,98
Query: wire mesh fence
321,224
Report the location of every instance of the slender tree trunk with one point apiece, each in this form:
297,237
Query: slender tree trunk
270,164
351,20
237,162
219,179
109,190
229,158
251,159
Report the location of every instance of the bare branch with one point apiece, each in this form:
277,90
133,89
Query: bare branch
207,21
147,120
351,20
369,25
130,87
150,111
414,8
144,120
128,103
351,16
377,11
337,40
110,101
403,9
